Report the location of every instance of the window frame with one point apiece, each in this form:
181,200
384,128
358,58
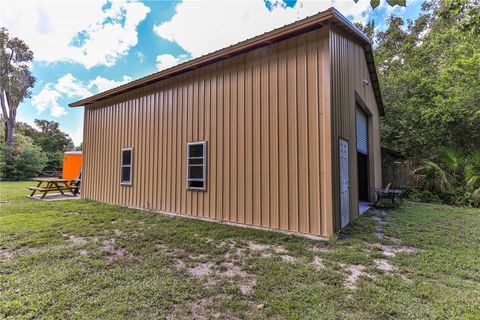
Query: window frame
126,183
204,165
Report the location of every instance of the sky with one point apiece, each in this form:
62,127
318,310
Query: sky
85,47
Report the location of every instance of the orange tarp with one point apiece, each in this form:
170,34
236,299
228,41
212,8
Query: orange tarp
72,163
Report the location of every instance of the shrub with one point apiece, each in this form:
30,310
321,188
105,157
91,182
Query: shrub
454,178
27,160
422,195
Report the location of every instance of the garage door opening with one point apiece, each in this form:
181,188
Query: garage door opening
361,121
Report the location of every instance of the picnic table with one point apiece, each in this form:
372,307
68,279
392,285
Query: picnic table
52,185
387,192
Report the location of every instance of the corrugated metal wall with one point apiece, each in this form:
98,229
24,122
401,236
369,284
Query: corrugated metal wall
348,70
266,117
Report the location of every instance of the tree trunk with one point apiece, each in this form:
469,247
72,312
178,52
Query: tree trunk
9,131
9,113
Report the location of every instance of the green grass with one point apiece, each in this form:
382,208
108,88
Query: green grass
82,259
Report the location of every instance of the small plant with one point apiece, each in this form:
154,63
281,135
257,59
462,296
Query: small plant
333,239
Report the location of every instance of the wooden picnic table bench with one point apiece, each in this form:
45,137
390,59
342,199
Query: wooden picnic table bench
52,185
387,192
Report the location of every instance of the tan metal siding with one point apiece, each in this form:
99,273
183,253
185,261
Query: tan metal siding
263,115
348,72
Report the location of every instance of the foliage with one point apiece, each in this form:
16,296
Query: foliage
455,178
16,79
392,3
50,138
429,75
26,159
42,147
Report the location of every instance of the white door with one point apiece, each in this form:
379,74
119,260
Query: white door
344,184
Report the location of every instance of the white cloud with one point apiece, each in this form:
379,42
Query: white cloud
87,32
69,86
165,61
103,84
47,99
218,24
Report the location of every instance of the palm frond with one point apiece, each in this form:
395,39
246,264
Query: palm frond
432,177
451,158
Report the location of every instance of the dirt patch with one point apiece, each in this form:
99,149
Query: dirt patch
226,243
317,261
6,254
108,245
78,240
288,258
266,255
247,282
390,251
247,287
179,264
232,270
378,232
114,253
117,232
383,265
202,270
356,271
379,220
279,249
237,254
253,246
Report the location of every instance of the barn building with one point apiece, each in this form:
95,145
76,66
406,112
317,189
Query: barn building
280,131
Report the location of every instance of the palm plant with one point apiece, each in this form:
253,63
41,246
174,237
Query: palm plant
432,177
472,173
455,174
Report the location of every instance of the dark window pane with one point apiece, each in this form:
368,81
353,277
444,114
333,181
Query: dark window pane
196,150
195,161
126,174
127,157
195,172
196,184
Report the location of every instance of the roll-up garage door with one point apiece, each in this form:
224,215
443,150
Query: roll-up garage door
362,133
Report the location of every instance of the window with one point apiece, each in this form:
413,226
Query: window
196,165
126,166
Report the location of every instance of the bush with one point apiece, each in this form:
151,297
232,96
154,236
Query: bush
422,195
454,178
462,196
27,159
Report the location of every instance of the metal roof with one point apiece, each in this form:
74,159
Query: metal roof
316,21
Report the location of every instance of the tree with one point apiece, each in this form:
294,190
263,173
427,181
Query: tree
376,3
16,80
368,29
50,138
429,75
27,159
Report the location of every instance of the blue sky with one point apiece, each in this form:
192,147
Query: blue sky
85,47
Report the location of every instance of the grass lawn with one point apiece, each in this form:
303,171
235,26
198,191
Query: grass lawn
83,259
